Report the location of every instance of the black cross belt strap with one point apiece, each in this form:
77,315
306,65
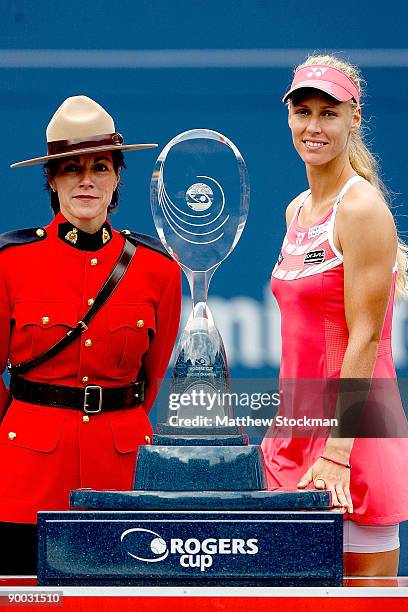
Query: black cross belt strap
104,294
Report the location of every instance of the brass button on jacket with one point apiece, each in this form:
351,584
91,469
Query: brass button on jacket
88,342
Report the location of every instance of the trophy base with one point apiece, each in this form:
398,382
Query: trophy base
207,547
195,467
198,515
93,499
173,430
200,440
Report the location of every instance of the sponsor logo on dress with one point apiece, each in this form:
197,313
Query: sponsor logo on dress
315,257
280,259
300,236
317,230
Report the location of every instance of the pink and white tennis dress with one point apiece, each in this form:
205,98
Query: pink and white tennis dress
308,283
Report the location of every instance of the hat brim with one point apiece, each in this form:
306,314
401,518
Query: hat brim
45,158
332,89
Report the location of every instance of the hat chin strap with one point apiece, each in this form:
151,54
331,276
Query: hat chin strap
55,147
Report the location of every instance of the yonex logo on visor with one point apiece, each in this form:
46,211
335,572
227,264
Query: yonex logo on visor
316,72
327,79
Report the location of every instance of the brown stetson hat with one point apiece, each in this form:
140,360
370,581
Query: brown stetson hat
80,125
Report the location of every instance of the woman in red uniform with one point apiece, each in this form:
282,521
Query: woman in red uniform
334,282
77,419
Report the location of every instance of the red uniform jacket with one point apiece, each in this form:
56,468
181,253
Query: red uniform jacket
45,288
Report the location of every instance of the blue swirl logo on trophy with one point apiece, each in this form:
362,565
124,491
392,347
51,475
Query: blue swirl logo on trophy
199,198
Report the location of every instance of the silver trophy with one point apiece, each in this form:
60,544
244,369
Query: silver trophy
199,198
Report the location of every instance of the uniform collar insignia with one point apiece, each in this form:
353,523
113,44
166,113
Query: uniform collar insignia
72,235
83,241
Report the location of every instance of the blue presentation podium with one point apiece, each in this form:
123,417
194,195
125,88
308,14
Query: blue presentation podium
199,514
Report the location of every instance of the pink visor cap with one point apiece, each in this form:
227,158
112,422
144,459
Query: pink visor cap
330,80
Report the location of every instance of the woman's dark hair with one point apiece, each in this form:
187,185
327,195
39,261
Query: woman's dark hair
51,169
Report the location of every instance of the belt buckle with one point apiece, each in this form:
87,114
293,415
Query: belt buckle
87,394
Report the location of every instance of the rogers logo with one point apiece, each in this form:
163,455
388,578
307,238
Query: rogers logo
192,552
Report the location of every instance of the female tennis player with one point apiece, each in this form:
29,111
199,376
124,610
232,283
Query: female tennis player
335,280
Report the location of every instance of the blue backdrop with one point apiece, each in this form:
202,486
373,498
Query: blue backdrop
164,67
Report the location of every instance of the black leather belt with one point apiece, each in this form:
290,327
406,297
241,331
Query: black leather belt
92,399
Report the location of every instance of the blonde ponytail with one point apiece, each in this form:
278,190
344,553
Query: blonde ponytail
364,162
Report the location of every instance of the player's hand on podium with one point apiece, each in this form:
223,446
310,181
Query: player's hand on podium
330,476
